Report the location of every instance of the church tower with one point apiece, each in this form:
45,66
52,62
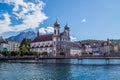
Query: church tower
56,28
56,37
67,39
66,30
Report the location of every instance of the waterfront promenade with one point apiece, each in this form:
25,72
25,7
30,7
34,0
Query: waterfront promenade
60,57
82,60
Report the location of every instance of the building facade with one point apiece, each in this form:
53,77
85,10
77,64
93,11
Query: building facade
75,49
13,46
4,46
52,43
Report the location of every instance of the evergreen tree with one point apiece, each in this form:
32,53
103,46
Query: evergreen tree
25,46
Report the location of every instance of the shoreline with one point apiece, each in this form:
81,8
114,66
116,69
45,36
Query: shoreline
57,57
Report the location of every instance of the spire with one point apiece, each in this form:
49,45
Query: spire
38,33
66,26
56,24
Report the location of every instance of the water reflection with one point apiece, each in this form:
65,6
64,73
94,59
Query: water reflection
61,72
56,70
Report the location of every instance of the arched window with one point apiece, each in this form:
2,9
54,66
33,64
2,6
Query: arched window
58,31
55,31
54,43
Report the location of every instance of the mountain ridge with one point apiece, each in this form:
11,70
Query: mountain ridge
29,34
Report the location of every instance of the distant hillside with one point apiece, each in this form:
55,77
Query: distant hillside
30,34
90,41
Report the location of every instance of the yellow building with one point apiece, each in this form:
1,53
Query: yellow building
116,48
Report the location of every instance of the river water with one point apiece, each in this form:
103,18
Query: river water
62,69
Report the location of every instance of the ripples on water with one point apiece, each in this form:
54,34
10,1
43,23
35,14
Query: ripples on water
51,70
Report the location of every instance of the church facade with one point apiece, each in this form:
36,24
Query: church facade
52,43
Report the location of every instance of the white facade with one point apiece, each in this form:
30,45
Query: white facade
52,43
88,49
75,51
14,46
4,44
44,46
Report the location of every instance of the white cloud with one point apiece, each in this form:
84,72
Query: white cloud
46,30
42,31
4,23
73,38
50,29
83,21
30,20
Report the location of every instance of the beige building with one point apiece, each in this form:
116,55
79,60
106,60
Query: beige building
116,48
13,46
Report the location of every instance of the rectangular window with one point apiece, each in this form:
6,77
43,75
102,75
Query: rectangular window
54,51
54,42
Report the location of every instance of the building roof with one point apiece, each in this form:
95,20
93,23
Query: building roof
66,27
3,40
72,44
56,24
13,41
40,38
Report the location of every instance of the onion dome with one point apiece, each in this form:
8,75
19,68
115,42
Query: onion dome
66,26
56,24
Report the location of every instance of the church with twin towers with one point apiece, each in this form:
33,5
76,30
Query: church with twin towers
52,43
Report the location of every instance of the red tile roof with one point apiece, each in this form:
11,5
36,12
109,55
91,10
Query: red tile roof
40,38
74,45
3,41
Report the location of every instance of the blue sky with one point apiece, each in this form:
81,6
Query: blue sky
87,19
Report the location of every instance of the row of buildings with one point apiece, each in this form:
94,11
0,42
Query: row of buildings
8,45
60,42
98,48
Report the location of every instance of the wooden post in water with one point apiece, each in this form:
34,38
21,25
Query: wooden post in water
78,61
81,61
107,61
